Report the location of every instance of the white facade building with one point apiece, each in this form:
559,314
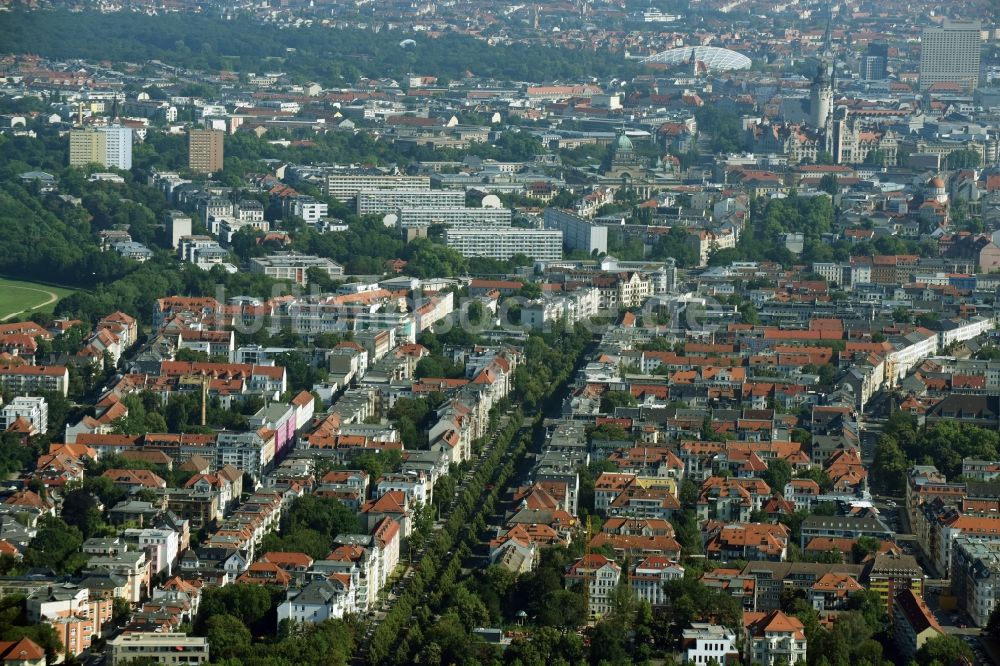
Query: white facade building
309,209
503,244
117,147
578,233
294,267
344,186
381,201
33,410
459,218
705,642
950,53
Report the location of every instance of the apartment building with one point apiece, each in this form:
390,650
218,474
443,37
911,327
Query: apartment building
458,218
913,624
601,576
72,612
107,146
86,147
33,410
773,638
577,232
848,527
24,379
975,577
502,244
571,307
888,574
384,200
206,150
648,576
309,209
345,186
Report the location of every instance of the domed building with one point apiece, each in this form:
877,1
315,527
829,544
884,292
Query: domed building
936,190
626,169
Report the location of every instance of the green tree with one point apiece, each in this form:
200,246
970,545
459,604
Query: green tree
944,650
228,636
889,467
778,474
828,184
248,604
614,399
56,545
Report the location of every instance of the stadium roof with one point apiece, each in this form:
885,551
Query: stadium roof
713,57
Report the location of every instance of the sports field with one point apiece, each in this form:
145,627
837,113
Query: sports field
24,298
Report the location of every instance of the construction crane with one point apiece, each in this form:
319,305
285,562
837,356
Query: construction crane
202,381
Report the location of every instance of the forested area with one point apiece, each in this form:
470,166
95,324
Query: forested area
327,55
943,444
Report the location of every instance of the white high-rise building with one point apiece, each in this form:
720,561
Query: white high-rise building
950,53
117,147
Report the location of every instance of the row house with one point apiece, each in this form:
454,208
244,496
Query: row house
245,529
227,483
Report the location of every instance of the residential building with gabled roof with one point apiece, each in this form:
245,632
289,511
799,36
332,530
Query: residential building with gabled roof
773,638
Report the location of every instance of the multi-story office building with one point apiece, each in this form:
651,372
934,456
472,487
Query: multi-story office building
503,244
344,186
293,266
459,218
950,53
374,201
578,233
205,150
873,65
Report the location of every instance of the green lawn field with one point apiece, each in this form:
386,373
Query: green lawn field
21,299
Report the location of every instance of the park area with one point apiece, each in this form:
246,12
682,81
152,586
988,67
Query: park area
22,299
